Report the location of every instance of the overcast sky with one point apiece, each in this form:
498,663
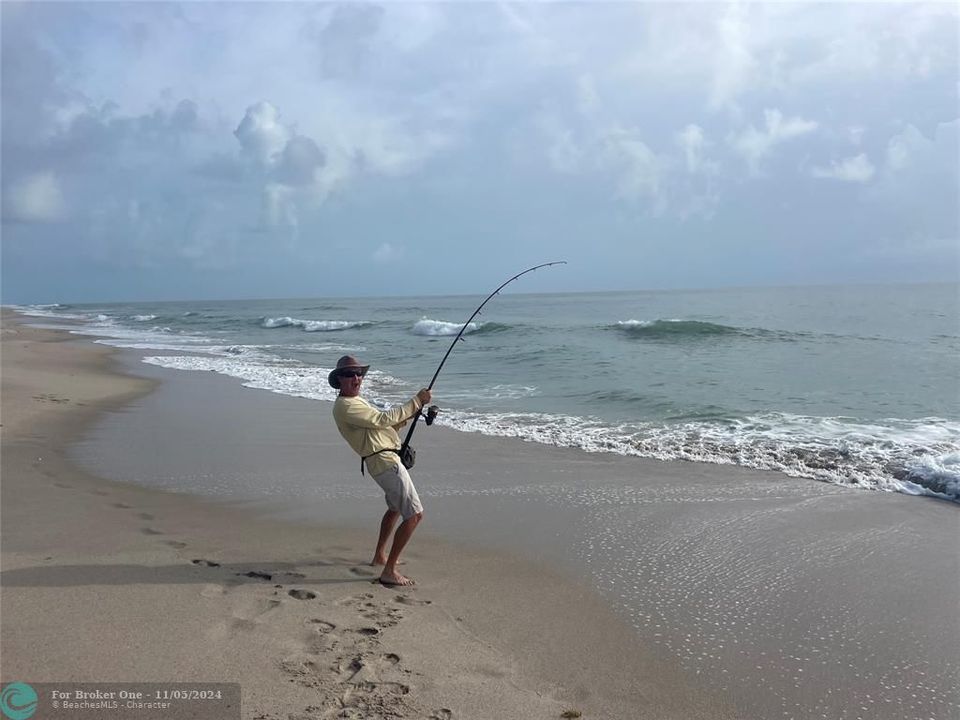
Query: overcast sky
241,150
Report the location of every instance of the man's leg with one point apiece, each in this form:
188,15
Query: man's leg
390,518
400,539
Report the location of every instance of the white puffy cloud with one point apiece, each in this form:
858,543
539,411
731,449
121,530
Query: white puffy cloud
261,134
856,169
755,145
37,198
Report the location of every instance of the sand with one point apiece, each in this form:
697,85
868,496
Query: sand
548,580
105,581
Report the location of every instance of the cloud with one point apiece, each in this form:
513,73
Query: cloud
733,60
916,193
387,253
856,169
637,167
261,134
346,42
912,156
756,145
299,161
692,142
280,208
35,199
563,151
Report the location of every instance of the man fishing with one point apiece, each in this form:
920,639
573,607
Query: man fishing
373,436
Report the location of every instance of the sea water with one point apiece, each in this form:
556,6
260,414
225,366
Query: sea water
857,386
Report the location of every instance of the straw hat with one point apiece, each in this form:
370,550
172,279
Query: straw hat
347,362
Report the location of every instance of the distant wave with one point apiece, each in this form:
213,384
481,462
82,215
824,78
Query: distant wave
47,310
675,329
440,328
311,325
144,318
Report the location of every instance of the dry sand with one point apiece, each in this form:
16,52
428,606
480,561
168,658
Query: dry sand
105,581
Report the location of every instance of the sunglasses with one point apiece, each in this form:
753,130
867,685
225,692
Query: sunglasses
351,373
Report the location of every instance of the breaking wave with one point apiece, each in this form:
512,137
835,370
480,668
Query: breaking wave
915,457
312,325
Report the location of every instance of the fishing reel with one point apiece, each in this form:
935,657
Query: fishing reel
431,415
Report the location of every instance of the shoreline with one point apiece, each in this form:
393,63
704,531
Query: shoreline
108,581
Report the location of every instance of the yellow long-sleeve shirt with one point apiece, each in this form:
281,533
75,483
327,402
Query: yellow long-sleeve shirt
368,430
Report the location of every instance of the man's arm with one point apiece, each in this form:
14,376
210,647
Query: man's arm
361,414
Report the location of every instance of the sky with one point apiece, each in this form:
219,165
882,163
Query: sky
219,150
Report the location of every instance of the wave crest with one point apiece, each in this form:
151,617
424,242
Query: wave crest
311,325
440,328
675,328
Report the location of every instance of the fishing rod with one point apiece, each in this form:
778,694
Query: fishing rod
407,453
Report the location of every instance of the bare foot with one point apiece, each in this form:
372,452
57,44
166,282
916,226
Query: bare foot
383,561
395,579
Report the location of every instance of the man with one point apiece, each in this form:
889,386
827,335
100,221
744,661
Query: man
373,434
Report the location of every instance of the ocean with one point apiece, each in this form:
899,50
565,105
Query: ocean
857,386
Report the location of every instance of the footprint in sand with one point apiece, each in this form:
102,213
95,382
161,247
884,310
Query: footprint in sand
441,714
322,626
246,616
257,574
406,600
383,617
355,599
301,594
150,531
363,571
208,563
122,506
175,544
367,631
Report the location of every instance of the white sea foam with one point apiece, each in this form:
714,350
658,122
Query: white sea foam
439,328
280,376
144,318
49,310
909,456
297,381
312,325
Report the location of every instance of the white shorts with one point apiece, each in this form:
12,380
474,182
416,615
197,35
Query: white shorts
399,492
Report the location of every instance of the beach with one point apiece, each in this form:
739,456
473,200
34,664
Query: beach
549,580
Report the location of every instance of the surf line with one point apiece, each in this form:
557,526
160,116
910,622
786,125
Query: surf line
407,453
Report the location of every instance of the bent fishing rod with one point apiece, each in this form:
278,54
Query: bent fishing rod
432,412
